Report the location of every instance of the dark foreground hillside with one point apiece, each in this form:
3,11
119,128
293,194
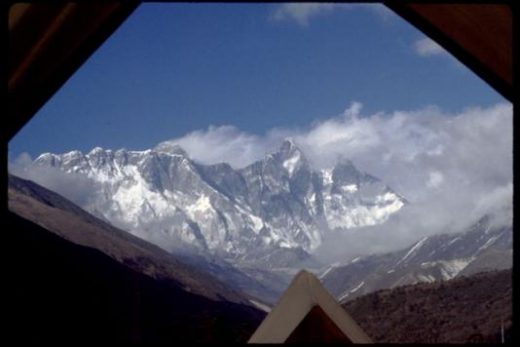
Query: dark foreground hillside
466,309
65,293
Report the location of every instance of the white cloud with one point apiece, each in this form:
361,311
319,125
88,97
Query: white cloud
77,188
426,47
447,165
223,144
302,13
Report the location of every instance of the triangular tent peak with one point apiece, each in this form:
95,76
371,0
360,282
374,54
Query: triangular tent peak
307,312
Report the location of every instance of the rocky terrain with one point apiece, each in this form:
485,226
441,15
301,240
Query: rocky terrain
461,310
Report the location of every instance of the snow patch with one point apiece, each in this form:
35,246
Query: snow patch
355,260
487,244
350,188
327,176
290,164
260,305
386,197
413,249
285,244
346,293
202,205
258,223
454,240
329,269
449,268
426,278
46,155
357,287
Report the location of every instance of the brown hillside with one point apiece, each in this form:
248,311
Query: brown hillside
467,309
62,293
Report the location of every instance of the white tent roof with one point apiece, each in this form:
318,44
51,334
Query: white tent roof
305,292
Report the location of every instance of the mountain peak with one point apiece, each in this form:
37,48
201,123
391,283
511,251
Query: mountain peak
95,151
171,148
74,153
45,155
290,155
288,144
288,149
50,159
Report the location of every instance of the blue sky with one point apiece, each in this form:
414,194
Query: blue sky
171,69
228,82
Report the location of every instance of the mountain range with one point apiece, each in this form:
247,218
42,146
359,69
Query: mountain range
272,213
253,228
440,257
124,289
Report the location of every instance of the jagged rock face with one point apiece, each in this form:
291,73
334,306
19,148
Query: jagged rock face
243,215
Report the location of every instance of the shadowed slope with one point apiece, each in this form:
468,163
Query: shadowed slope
60,216
118,289
65,293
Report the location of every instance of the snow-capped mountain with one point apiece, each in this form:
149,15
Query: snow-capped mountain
482,247
273,212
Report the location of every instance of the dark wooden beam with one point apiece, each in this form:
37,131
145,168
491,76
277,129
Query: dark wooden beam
48,42
479,35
